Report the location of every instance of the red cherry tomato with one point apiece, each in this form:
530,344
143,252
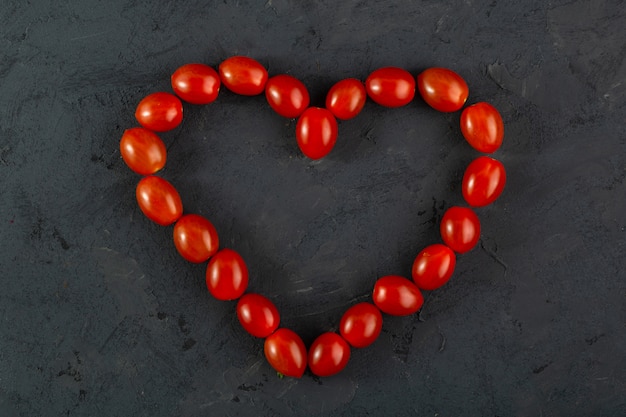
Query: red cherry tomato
195,238
159,112
257,315
286,353
483,181
346,98
391,86
460,229
243,75
397,296
159,200
227,275
361,324
482,127
328,354
433,266
316,132
143,151
196,83
287,95
442,89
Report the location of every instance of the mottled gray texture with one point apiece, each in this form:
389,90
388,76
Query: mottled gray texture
101,317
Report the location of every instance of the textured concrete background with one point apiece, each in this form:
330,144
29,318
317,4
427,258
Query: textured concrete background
101,317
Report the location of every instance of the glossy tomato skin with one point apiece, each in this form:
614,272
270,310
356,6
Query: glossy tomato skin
482,127
226,275
442,89
316,132
328,355
196,83
460,229
433,267
397,296
143,151
257,315
346,99
286,353
361,324
390,86
195,238
483,181
159,200
287,95
243,75
159,112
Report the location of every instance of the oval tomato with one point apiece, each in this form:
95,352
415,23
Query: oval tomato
196,83
316,132
143,151
286,353
226,275
442,89
346,98
397,296
159,200
257,315
361,324
482,127
460,229
195,238
433,266
328,354
390,86
483,181
287,95
159,112
243,75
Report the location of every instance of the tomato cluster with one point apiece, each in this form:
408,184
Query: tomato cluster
196,239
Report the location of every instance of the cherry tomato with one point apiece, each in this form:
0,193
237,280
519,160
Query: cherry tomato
196,83
227,275
442,89
328,354
346,98
287,95
159,200
159,112
391,86
243,75
195,238
460,229
143,151
316,132
361,324
258,315
433,266
482,127
397,296
286,353
483,181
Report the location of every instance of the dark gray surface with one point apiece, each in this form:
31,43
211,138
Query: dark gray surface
101,317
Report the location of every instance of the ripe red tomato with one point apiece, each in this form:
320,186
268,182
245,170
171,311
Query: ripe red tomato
460,229
346,98
257,315
159,112
143,151
159,200
442,89
391,86
482,127
433,266
287,95
361,324
286,353
227,275
328,354
196,83
316,132
195,238
397,296
243,75
483,181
